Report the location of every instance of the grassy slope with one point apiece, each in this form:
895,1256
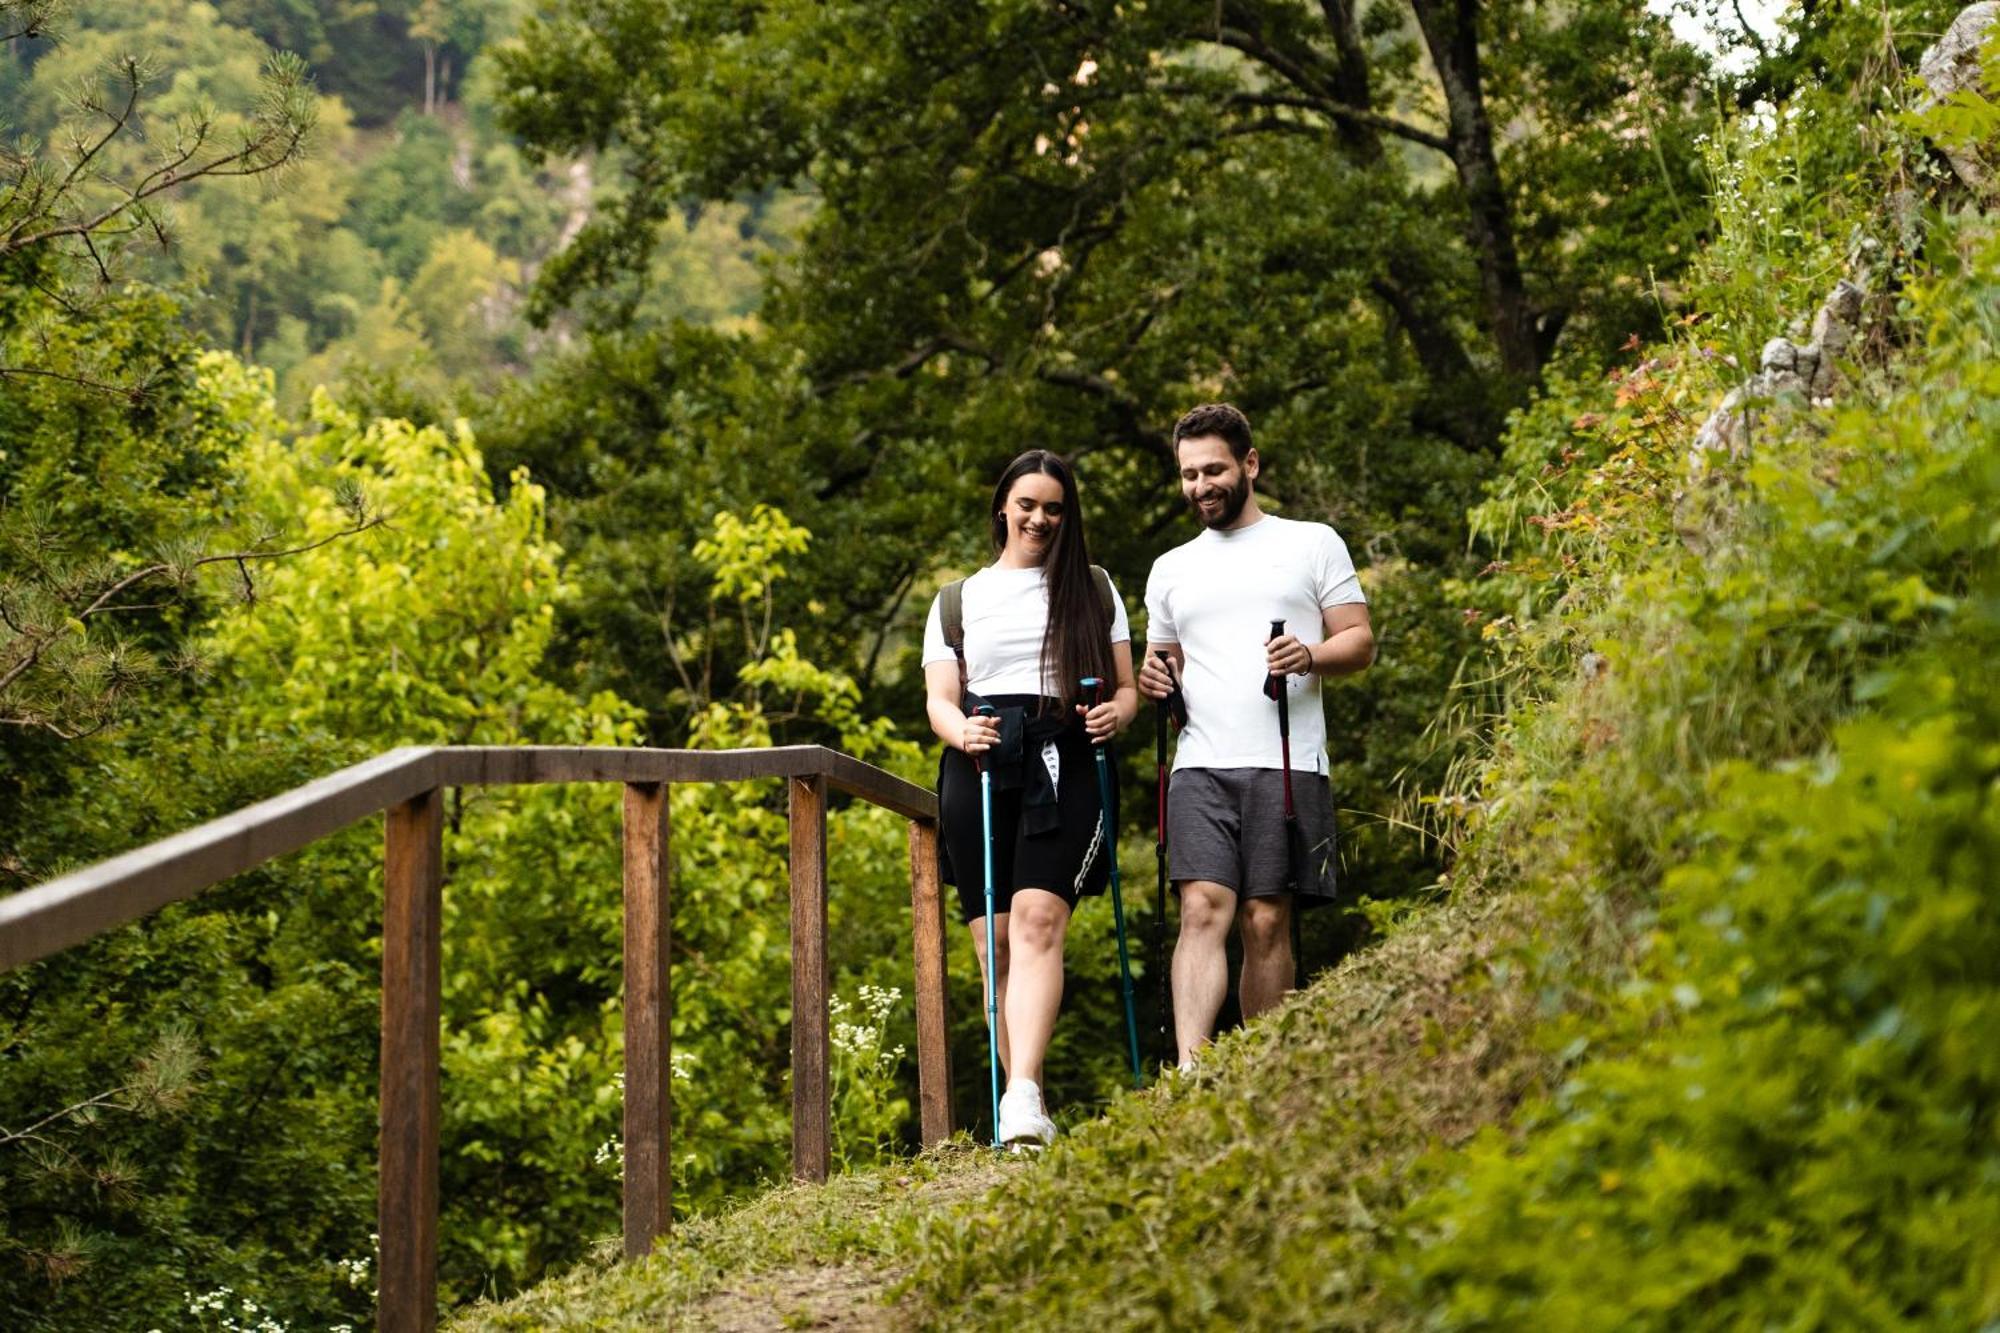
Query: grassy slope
1697,1038
1413,1039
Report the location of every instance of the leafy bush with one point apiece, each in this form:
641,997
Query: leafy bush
1792,1116
429,629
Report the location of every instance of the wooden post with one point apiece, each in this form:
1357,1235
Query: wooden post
407,1203
927,933
811,1110
649,1009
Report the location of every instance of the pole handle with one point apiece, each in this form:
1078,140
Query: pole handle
1274,684
981,709
1093,688
1173,708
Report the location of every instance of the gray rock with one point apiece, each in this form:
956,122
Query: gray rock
1809,370
1781,357
1951,66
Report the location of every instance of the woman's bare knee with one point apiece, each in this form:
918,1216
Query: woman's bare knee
1038,922
1001,924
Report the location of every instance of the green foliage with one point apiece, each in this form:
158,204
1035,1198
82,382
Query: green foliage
58,1160
1718,786
430,628
92,489
869,1110
1783,1116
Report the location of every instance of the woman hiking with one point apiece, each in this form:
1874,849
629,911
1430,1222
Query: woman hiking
1020,636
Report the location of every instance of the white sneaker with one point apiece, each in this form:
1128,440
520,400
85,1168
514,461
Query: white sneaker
1022,1119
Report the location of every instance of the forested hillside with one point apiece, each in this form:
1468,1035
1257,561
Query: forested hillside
626,371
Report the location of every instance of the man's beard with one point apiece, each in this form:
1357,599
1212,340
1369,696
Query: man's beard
1233,500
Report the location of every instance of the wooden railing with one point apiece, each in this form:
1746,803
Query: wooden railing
408,785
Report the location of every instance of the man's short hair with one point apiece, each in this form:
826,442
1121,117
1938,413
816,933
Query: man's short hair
1220,420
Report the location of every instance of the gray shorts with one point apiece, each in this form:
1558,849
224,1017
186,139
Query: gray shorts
1227,825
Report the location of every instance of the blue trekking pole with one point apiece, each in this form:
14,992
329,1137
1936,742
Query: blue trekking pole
992,959
1095,687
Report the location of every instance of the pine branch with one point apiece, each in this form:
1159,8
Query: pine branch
39,638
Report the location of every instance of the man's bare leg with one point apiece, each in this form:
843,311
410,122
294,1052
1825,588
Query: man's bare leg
1201,965
1267,954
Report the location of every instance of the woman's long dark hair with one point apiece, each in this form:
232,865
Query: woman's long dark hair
1077,642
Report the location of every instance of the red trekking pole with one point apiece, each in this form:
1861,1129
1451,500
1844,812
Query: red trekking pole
1172,708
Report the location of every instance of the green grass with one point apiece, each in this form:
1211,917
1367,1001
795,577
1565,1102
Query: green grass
789,1255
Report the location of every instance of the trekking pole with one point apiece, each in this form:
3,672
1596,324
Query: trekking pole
1095,688
1172,708
1295,852
992,959
1160,857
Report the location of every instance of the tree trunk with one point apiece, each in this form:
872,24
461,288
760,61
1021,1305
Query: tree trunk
430,77
1352,83
1458,405
1451,33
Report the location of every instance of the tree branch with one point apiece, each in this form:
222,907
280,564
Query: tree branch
119,120
1350,115
1130,414
237,558
40,638
134,392
101,1099
243,162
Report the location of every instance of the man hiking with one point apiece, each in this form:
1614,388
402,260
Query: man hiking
1212,606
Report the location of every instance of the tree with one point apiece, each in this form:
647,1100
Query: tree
983,173
461,296
108,438
74,208
1066,223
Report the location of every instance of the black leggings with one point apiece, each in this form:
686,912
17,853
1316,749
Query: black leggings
1069,861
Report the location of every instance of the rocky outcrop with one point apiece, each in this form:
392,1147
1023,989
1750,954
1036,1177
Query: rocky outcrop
1808,371
1953,66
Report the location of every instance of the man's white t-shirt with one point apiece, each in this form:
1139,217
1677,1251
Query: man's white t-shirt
1216,596
1005,613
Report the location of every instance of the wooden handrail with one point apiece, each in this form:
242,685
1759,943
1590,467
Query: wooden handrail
405,785
67,911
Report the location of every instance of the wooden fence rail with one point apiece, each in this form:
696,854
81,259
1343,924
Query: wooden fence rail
407,786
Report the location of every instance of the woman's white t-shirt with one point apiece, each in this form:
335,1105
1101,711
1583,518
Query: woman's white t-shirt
1005,613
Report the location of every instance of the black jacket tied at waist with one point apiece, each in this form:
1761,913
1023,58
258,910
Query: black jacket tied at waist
1016,760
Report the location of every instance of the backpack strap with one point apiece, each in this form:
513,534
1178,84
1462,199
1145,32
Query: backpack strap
951,610
1105,594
